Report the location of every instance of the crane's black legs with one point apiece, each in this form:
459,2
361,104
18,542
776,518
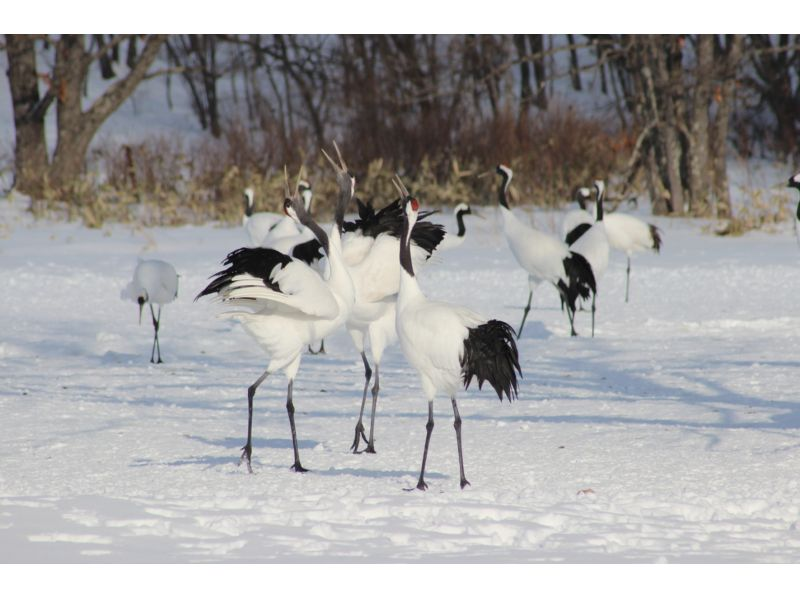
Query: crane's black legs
247,449
375,388
421,485
594,296
457,426
321,348
290,409
156,323
627,279
360,426
525,314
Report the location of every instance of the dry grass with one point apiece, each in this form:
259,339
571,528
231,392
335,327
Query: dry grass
165,181
764,210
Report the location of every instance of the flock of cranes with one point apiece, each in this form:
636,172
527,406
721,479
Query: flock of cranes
297,283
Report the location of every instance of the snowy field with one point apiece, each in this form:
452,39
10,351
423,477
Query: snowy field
672,436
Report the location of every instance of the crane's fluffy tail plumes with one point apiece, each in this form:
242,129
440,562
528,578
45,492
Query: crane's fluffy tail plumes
580,279
655,233
490,354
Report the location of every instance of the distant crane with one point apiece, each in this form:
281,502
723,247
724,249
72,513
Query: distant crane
257,224
154,282
544,257
625,232
449,344
593,244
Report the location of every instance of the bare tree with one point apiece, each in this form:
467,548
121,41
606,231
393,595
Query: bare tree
75,125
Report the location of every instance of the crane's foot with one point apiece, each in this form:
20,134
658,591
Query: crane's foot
298,468
421,485
357,440
247,452
464,482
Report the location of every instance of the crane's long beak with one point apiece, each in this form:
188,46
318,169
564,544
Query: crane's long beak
483,175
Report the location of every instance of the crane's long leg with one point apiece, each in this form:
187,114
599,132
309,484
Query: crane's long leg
247,449
360,425
421,485
627,279
156,324
290,409
375,389
457,426
594,297
525,314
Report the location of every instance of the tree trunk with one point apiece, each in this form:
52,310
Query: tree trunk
733,57
698,147
77,128
30,148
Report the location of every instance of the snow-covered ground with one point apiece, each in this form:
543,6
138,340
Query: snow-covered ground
672,436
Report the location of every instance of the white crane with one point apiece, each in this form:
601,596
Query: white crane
577,222
794,182
371,246
544,257
449,344
257,224
452,241
154,282
291,304
625,232
593,244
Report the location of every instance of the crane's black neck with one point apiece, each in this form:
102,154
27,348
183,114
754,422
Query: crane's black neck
248,207
306,220
405,247
345,196
460,221
501,193
599,202
581,201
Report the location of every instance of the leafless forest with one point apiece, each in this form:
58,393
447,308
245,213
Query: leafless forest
656,115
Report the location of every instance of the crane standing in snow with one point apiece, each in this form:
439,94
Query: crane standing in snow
544,257
291,304
625,232
449,344
154,281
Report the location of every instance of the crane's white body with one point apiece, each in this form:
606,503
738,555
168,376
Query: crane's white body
540,254
307,309
432,335
154,280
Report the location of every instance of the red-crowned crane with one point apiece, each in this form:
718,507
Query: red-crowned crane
154,282
544,257
625,232
449,344
290,304
593,244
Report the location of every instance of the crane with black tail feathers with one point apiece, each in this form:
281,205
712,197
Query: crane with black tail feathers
448,344
545,258
287,304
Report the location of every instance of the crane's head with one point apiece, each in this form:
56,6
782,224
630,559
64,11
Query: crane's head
505,172
346,179
582,195
304,188
141,300
462,208
794,181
